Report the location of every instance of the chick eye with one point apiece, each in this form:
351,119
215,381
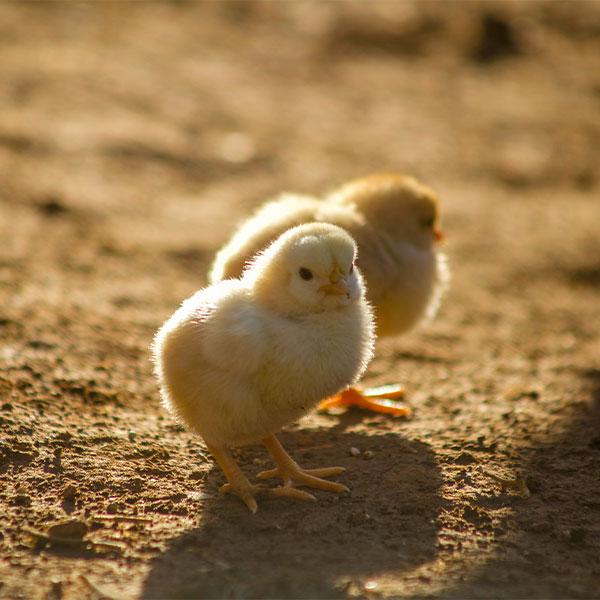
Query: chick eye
305,273
428,223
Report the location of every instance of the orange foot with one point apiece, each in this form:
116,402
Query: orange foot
292,473
381,399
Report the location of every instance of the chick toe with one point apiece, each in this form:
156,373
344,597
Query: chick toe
291,492
325,471
244,493
297,475
302,477
292,473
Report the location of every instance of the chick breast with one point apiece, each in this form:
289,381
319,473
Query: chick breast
236,372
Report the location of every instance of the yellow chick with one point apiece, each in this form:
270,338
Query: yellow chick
395,221
244,357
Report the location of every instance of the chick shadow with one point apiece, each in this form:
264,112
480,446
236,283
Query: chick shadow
328,549
552,548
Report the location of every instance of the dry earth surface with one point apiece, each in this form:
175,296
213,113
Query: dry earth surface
135,135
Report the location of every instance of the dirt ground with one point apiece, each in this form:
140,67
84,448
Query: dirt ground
135,135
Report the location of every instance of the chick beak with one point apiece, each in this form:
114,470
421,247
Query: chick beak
339,288
338,285
438,234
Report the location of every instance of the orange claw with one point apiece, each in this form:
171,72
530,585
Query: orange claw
382,399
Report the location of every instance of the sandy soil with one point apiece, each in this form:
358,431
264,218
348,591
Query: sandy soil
134,136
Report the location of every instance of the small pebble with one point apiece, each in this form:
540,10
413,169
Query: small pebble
576,535
368,455
22,500
358,517
71,530
354,451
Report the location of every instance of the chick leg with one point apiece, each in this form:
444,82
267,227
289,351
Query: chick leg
291,473
382,399
238,483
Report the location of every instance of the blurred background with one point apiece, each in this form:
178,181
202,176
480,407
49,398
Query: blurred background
134,136
163,124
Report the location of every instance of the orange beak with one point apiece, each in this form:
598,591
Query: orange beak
338,285
338,288
438,234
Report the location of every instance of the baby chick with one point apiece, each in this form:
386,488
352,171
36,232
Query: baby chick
395,221
244,357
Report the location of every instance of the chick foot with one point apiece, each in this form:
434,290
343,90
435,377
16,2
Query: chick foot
260,490
381,399
292,473
238,483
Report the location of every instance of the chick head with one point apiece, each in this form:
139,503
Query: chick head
308,269
396,204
